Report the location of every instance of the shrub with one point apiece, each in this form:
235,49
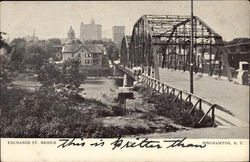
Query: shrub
47,113
177,111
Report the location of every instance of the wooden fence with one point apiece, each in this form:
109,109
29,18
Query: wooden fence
198,103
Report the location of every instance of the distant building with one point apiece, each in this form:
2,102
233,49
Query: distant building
97,51
118,34
90,31
90,54
71,39
77,50
58,51
71,33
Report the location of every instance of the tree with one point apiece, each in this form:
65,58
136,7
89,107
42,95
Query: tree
35,55
239,40
94,42
49,74
18,45
32,54
112,50
5,79
50,47
241,48
3,44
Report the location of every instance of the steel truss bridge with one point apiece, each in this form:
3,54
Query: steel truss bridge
164,41
218,116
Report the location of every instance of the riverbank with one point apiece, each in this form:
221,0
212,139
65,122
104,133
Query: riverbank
98,114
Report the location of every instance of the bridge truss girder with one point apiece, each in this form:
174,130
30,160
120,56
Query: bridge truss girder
124,59
164,41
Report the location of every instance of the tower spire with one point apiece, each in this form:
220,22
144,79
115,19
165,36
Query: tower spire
34,33
71,33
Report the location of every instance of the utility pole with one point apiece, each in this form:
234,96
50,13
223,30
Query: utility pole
191,51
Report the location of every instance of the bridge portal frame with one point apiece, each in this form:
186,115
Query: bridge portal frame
164,41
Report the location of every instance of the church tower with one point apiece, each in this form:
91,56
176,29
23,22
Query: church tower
71,33
81,32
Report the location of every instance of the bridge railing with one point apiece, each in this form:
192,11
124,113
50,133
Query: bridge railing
129,72
198,103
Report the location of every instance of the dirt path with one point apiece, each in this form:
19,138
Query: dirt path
139,116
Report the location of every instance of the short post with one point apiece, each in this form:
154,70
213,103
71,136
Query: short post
122,96
125,80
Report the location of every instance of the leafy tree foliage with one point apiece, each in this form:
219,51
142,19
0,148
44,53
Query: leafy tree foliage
112,50
35,55
242,48
3,44
5,78
239,40
49,74
18,46
31,55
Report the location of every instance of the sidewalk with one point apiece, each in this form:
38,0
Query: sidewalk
229,95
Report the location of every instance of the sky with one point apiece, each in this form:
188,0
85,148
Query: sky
53,19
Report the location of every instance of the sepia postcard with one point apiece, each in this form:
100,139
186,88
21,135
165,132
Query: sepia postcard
124,80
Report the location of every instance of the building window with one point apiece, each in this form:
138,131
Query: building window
88,55
88,61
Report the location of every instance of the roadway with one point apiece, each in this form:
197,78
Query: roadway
231,96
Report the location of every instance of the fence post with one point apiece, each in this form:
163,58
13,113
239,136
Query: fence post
213,116
159,86
163,90
211,108
155,85
194,106
200,105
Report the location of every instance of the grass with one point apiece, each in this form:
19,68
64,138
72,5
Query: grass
46,113
177,111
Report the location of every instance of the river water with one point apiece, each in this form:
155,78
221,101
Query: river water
97,87
94,87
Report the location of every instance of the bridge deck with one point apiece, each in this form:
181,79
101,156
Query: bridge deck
222,92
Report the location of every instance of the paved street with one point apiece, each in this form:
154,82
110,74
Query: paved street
229,95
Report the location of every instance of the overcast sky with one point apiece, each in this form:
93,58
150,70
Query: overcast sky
53,19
